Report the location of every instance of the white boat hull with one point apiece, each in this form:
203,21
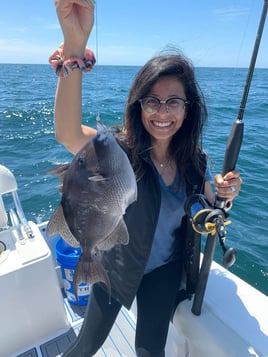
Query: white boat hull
233,322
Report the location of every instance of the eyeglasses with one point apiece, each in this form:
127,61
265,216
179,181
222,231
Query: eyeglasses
151,105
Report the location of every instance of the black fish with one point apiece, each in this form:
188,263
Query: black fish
97,187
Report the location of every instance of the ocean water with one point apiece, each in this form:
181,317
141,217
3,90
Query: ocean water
28,146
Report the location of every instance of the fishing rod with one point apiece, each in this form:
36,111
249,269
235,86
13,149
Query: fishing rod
212,220
236,135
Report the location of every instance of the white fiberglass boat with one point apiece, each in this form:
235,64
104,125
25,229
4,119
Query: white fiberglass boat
37,319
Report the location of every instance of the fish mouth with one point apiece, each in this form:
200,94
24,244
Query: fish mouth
97,178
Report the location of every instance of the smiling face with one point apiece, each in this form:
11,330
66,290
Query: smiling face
162,125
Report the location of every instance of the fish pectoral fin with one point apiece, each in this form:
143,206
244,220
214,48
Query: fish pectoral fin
118,236
58,225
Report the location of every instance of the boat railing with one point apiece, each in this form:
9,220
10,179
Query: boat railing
18,221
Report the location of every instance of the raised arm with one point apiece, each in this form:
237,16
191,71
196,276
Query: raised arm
76,18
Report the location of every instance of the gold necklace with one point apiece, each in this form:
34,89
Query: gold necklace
162,165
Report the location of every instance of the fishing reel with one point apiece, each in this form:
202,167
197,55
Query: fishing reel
210,220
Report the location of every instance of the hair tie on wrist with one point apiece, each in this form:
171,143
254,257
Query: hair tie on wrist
63,67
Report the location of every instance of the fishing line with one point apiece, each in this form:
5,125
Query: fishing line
98,118
243,37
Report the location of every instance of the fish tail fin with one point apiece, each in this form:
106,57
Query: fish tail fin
90,271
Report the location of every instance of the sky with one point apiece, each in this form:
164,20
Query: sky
212,33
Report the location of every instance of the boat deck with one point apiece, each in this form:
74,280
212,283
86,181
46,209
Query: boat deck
120,342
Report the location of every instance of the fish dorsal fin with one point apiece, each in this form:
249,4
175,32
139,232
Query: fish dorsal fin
118,236
59,171
58,225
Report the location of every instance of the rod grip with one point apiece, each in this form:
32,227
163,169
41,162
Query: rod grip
233,147
231,154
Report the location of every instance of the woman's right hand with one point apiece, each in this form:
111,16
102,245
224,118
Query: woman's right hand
76,18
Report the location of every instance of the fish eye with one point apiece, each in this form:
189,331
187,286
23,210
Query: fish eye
81,161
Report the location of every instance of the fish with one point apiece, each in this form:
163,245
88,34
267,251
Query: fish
97,186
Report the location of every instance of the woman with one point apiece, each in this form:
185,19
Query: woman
164,117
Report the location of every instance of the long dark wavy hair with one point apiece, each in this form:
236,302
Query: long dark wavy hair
186,144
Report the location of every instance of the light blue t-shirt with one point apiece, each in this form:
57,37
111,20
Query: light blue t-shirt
170,216
165,245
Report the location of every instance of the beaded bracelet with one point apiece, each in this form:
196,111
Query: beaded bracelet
64,67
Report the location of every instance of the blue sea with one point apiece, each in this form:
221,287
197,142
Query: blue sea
28,146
